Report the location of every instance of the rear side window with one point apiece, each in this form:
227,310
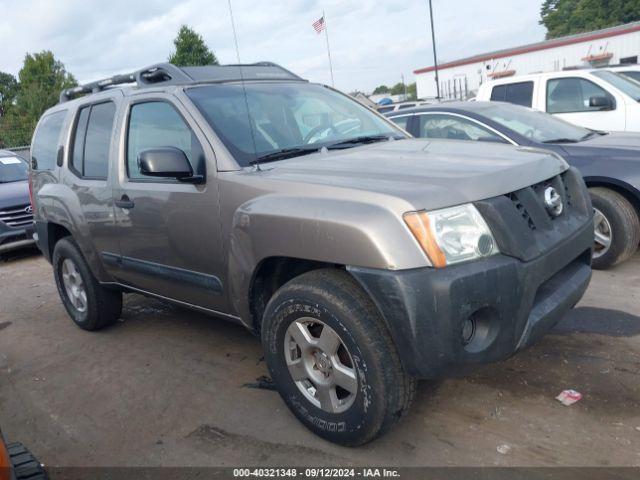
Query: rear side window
92,140
453,127
44,150
517,93
158,124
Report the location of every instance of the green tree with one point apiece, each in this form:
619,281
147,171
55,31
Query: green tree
566,17
398,89
41,80
8,92
381,89
412,91
191,49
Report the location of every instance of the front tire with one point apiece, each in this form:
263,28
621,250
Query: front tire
90,305
616,226
333,360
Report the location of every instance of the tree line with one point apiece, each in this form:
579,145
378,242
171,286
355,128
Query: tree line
42,77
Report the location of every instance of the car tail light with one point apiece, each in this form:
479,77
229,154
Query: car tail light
33,204
5,462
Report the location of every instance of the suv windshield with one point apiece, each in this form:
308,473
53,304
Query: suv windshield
279,120
537,126
12,169
624,84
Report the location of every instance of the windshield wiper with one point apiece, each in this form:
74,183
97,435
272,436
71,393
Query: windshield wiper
592,133
364,139
284,153
561,140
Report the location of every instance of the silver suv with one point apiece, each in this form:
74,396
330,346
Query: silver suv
364,259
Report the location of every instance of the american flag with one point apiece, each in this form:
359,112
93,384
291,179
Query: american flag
319,25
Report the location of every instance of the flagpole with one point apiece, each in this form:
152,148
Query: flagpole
326,36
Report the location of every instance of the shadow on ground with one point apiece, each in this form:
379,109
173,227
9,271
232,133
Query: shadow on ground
601,321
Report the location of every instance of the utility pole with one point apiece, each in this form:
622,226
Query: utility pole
435,57
404,86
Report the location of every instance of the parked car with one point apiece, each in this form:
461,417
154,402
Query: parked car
365,259
393,107
17,463
592,98
16,217
609,162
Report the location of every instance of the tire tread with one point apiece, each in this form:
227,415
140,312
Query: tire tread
630,228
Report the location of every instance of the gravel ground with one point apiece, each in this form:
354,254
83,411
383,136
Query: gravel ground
167,386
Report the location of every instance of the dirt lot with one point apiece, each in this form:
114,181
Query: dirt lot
167,386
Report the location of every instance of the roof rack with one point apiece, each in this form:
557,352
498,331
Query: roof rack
169,74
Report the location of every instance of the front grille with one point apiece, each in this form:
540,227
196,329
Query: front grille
521,210
524,226
530,202
19,216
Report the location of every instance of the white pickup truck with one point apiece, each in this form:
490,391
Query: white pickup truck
592,98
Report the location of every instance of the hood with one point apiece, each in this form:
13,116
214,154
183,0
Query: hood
426,173
614,140
613,145
14,194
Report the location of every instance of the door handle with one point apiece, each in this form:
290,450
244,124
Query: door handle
125,202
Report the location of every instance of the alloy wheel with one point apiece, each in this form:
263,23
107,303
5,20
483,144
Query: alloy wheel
320,365
603,234
74,285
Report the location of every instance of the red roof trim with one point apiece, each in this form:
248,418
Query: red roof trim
531,48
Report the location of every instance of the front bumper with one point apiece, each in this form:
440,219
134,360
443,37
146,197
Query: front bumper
510,303
14,238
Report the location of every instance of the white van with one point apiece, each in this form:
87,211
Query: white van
595,98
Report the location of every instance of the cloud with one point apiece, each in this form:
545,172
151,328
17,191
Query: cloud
372,42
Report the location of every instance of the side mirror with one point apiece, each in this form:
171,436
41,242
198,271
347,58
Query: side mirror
167,162
601,102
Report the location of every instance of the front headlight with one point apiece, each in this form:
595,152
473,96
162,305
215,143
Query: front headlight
452,235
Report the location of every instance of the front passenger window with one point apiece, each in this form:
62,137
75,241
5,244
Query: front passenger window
155,125
568,95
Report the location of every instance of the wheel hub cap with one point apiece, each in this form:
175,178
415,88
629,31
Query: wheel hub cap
603,234
320,365
323,363
74,285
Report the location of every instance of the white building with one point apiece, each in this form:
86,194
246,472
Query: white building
461,78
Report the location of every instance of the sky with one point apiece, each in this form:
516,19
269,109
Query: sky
372,42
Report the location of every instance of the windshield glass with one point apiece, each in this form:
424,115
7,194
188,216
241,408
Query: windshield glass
537,126
632,74
624,84
284,116
12,169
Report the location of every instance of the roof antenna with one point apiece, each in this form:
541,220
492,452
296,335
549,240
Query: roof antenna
244,90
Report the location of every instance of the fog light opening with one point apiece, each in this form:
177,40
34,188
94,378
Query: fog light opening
468,330
480,329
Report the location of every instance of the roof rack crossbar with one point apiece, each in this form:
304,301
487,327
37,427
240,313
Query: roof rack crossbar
97,86
169,74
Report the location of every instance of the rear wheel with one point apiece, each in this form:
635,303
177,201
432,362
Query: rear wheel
616,227
90,305
333,360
